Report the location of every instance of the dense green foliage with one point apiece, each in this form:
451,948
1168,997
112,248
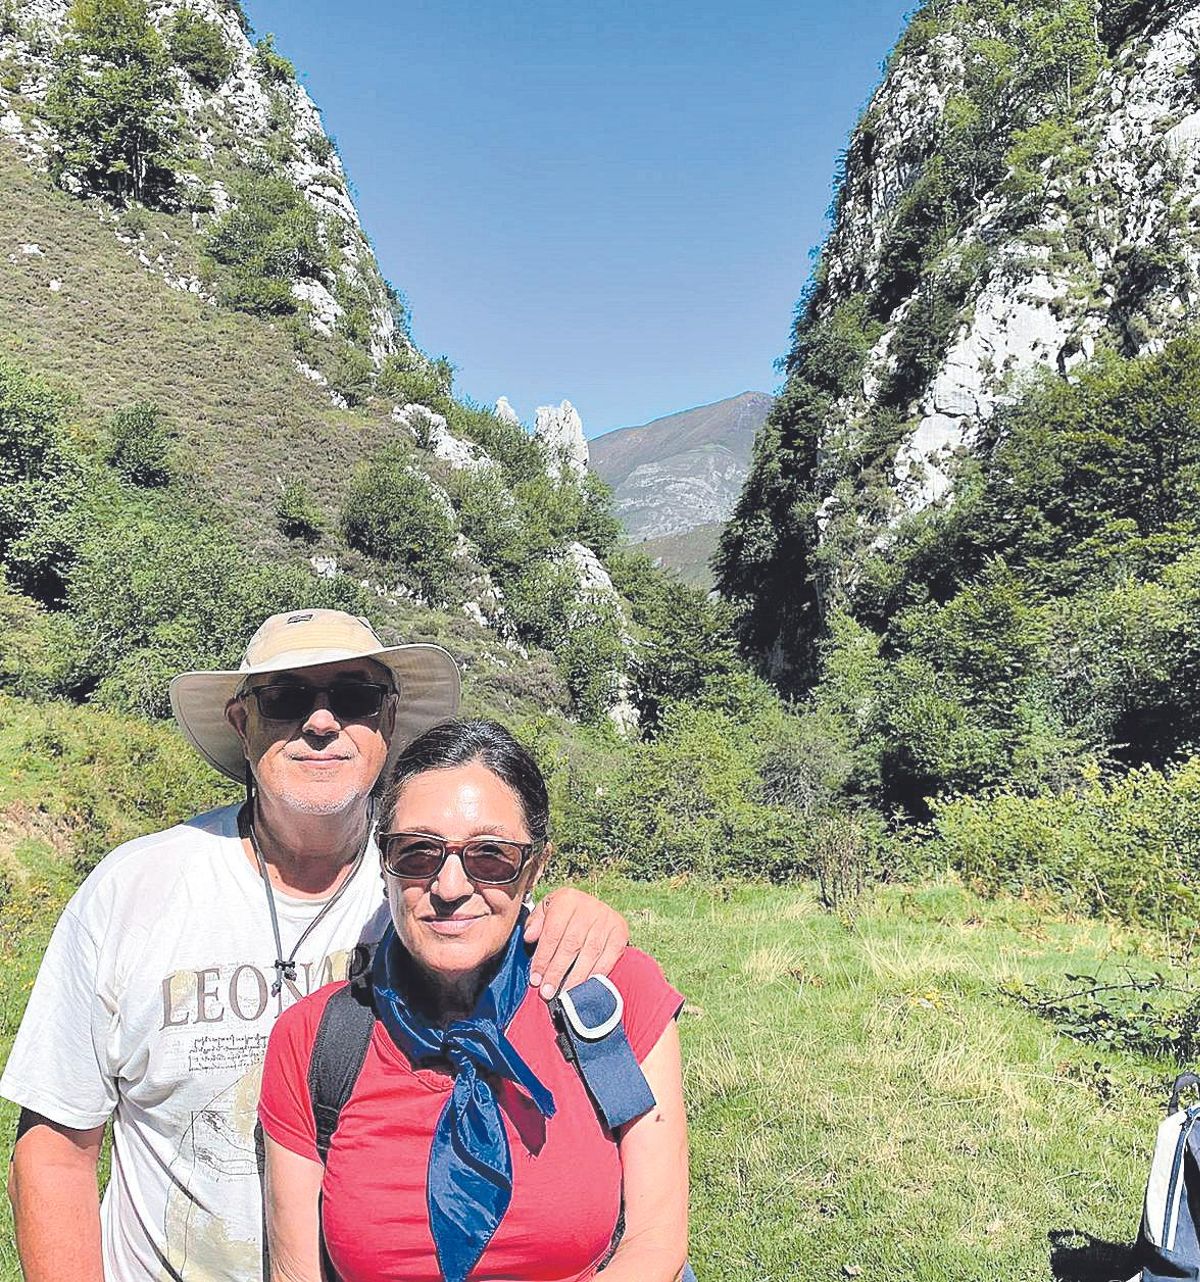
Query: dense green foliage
268,239
297,513
142,445
200,48
394,513
110,102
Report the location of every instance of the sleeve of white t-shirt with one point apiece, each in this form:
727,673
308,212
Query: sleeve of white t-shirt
56,1067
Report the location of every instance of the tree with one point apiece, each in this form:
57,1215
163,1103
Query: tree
110,102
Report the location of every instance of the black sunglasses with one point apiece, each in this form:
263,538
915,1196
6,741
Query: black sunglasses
487,861
294,701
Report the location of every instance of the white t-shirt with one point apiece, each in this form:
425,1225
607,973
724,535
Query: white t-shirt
153,1004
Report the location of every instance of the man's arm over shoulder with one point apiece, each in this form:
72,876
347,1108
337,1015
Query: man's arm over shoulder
576,933
56,1200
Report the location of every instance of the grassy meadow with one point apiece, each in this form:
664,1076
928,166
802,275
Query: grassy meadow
865,1102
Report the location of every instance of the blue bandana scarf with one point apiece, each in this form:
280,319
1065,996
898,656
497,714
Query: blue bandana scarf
469,1183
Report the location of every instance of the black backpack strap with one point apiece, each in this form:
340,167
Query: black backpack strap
338,1053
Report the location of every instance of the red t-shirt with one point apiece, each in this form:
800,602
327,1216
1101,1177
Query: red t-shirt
566,1170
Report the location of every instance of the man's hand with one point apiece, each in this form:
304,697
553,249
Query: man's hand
55,1199
575,933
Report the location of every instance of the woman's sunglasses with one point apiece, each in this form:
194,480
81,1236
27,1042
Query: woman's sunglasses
487,861
294,701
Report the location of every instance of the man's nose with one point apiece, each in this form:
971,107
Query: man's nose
321,721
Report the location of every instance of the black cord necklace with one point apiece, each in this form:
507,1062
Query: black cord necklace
285,967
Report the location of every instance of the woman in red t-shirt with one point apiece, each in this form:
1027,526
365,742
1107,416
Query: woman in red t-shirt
469,1146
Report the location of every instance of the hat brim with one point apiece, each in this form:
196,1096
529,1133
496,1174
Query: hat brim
426,677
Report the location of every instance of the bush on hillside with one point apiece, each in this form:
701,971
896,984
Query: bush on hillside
490,517
396,515
271,64
297,513
685,638
126,776
689,802
142,446
352,374
146,601
41,484
199,47
110,102
268,239
1127,848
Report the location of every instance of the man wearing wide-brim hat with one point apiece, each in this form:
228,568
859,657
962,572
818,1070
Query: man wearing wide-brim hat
171,962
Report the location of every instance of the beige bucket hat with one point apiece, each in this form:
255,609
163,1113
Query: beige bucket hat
426,678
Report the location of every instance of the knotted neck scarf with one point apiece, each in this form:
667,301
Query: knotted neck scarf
469,1181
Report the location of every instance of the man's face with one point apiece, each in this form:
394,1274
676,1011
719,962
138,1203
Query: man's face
319,763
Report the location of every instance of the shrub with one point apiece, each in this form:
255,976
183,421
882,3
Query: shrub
490,517
109,102
41,484
272,65
199,47
147,600
142,446
690,802
297,513
684,638
114,776
352,374
1127,848
395,515
268,239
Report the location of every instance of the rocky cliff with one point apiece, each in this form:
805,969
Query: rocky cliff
1021,196
250,115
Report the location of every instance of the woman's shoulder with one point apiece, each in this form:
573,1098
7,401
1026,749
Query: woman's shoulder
651,1000
299,1022
636,970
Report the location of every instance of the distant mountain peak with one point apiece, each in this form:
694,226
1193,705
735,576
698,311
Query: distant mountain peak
681,471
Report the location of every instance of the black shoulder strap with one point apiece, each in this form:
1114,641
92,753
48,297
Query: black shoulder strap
338,1053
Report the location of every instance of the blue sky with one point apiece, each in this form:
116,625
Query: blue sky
608,202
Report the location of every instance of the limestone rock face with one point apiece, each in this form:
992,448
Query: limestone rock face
239,117
1050,294
506,414
560,429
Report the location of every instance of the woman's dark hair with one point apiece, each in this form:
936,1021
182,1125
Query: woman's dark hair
459,743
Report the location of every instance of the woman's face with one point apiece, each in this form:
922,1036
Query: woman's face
449,925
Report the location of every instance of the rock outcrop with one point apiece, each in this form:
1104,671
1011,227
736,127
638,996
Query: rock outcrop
560,430
1021,195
